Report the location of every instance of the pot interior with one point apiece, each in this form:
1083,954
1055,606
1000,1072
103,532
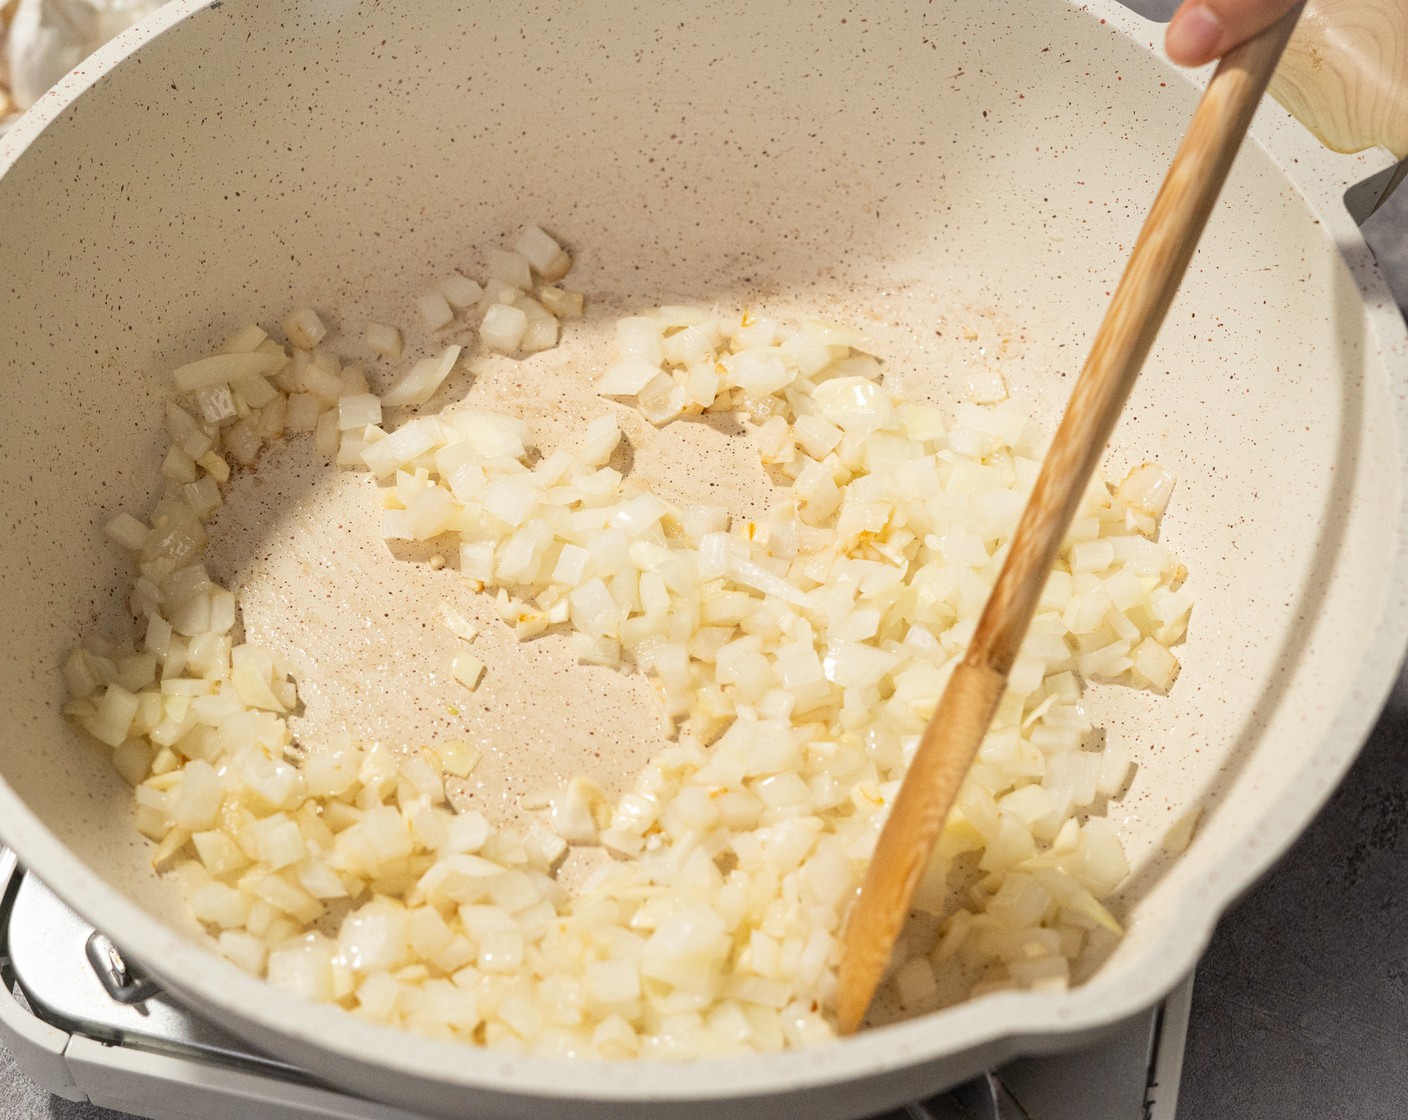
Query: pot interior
964,181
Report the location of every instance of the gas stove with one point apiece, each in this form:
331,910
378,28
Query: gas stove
85,1026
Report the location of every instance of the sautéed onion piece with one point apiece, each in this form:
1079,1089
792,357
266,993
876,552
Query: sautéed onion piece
796,661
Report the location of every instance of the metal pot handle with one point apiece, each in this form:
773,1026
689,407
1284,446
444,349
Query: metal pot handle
1345,74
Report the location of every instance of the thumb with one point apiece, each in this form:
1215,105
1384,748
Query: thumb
1203,30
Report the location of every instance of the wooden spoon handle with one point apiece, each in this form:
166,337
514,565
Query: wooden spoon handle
1345,74
1156,267
927,793
1145,291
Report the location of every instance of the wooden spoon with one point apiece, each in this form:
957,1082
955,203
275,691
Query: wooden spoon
966,709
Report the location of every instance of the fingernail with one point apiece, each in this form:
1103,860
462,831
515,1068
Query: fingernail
1194,37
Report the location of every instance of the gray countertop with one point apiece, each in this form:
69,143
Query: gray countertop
1300,1008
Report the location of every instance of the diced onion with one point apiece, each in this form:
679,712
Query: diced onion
503,328
418,384
796,658
467,669
304,328
511,268
435,310
460,292
544,254
1180,833
219,370
382,340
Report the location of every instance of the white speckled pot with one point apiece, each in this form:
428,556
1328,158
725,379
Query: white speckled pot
920,167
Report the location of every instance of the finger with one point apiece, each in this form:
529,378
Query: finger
1202,30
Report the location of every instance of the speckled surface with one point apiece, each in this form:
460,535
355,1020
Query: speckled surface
993,252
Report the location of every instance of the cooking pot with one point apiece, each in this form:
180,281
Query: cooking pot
962,179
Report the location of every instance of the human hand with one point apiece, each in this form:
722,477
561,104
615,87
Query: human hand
1202,30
